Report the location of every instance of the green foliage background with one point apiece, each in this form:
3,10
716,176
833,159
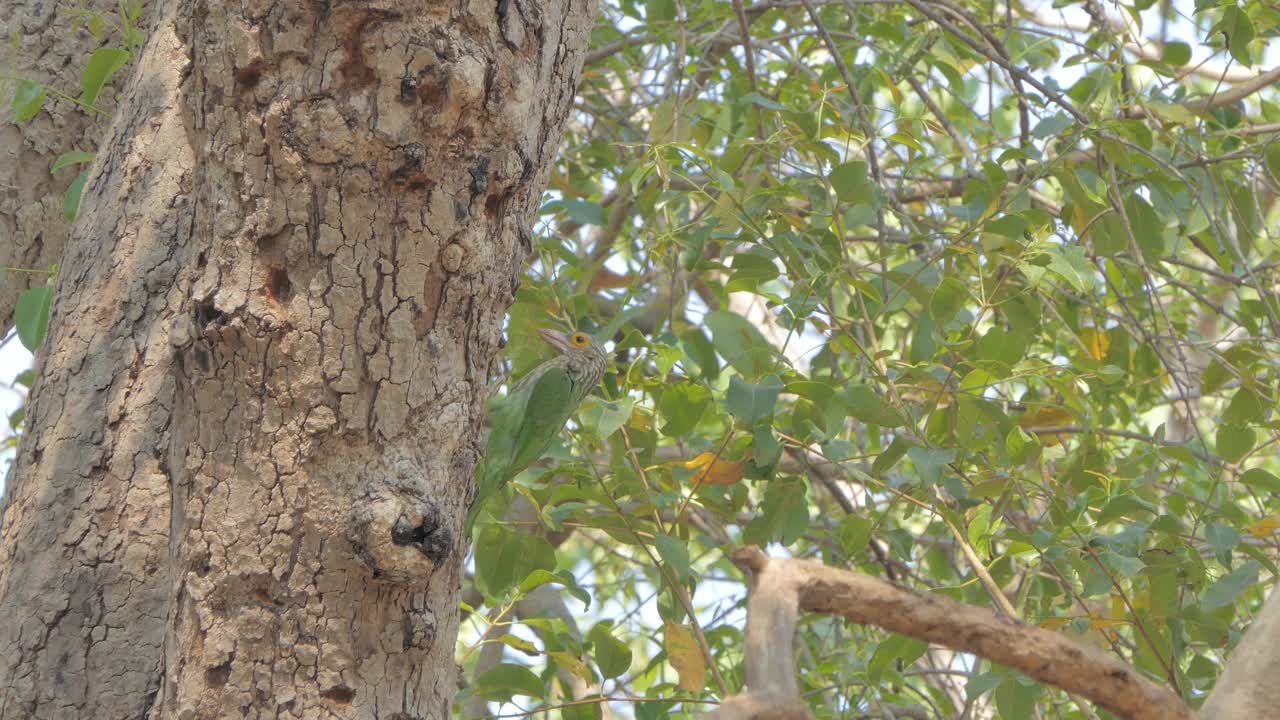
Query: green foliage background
1019,283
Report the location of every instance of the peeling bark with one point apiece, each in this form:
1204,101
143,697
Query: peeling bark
252,442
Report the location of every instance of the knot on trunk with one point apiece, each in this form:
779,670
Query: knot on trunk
401,537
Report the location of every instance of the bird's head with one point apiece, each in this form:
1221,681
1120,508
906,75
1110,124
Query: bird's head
586,357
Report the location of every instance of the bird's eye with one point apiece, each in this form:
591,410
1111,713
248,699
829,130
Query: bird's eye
580,340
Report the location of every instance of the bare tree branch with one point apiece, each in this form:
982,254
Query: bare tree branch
1046,656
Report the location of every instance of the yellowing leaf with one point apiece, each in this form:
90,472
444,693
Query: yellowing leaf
1174,112
640,420
1096,341
1047,417
573,665
1265,526
926,390
716,471
685,656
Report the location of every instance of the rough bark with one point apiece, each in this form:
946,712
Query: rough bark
51,49
252,443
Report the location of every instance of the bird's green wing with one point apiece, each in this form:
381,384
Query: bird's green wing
522,425
551,401
506,415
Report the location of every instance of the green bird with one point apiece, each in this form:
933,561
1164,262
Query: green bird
524,423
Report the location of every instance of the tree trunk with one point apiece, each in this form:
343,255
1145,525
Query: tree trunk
251,447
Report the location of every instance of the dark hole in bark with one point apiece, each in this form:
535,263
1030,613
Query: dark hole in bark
249,76
408,89
480,178
278,284
493,204
418,182
431,85
429,536
218,676
339,694
207,312
201,565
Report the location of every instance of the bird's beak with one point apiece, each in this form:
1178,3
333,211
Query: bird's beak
557,340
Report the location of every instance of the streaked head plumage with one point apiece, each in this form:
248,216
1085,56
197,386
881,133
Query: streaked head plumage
586,358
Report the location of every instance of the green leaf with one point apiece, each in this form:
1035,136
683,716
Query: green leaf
613,657
31,315
1052,126
653,710
71,205
1261,480
1238,28
751,403
674,553
1246,408
75,157
1016,697
892,650
890,457
979,529
605,417
682,406
1010,226
28,98
699,349
1230,586
749,271
850,181
1176,53
104,63
584,710
785,517
766,450
853,532
1234,441
585,212
505,681
930,462
1070,264
1215,375
1272,157
540,577
1223,539
947,300
1000,346
740,343
505,558
866,405
1148,227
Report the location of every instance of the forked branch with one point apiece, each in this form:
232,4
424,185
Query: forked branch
783,587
